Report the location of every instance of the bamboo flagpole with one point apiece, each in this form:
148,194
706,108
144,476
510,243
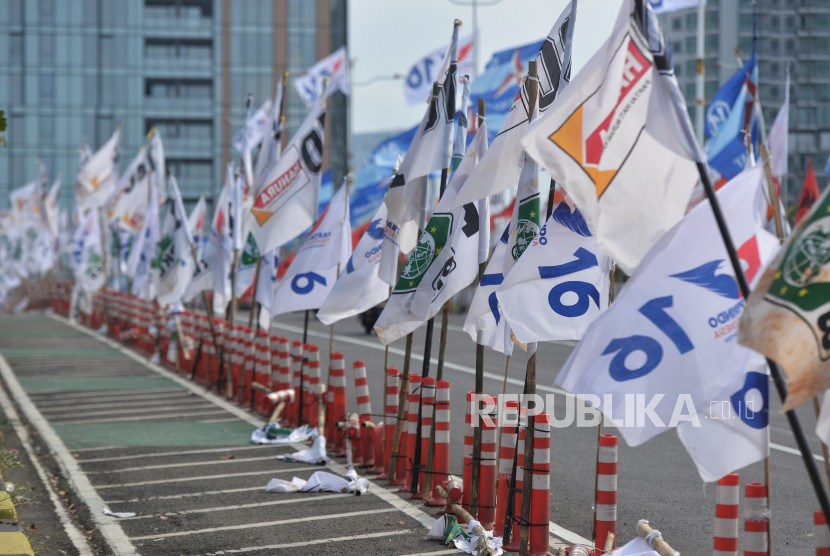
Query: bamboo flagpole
661,62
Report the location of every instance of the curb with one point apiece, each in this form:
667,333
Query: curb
12,538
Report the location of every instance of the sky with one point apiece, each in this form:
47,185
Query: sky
387,36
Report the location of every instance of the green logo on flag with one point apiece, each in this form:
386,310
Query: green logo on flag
528,225
163,244
250,254
803,279
430,244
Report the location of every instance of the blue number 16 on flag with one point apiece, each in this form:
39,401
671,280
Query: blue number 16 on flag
585,291
655,311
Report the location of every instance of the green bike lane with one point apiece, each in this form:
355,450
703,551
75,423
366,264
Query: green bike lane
129,436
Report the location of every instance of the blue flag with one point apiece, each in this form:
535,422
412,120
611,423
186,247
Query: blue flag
726,119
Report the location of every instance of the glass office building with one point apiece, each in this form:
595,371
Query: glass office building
76,69
790,32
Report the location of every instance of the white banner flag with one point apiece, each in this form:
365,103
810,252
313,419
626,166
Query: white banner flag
417,87
359,287
560,285
660,6
620,142
176,264
667,346
334,67
98,175
313,271
128,204
287,204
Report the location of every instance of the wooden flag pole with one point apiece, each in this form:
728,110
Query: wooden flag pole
402,393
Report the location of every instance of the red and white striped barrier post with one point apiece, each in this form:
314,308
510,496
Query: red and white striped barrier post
756,520
467,475
212,362
726,515
392,388
486,510
821,534
314,390
427,408
411,430
606,502
262,371
276,363
248,366
441,449
364,410
336,407
539,527
513,545
506,454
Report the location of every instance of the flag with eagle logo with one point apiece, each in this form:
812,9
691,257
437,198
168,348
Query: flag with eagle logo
620,141
444,261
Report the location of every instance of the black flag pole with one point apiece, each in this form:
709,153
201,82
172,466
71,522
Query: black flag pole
662,64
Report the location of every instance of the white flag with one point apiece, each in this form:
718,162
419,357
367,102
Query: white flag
287,204
359,287
443,263
265,286
90,273
668,344
334,67
143,251
417,87
98,176
128,204
246,269
157,164
257,126
485,323
270,151
732,432
176,264
560,285
500,169
620,142
25,205
313,271
777,138
196,222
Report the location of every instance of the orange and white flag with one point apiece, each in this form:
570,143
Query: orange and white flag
618,140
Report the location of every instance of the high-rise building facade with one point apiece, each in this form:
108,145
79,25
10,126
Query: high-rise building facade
792,33
76,69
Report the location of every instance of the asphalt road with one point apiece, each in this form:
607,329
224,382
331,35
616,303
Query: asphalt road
181,459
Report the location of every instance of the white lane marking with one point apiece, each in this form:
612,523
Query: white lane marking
568,536
249,549
121,409
184,495
304,499
126,406
793,451
210,477
260,524
438,553
176,453
109,528
104,394
75,535
169,418
185,464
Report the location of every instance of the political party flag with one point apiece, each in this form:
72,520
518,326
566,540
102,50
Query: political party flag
143,251
176,264
196,222
669,337
359,287
52,210
430,150
809,193
313,271
246,269
526,216
25,204
98,175
287,204
265,286
257,126
128,204
777,137
485,323
731,109
90,272
620,142
270,151
561,283
445,260
733,432
500,169
417,87
334,67
661,6
788,315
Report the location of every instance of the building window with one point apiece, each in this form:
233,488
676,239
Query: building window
46,129
676,24
16,49
691,44
46,86
46,11
46,48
